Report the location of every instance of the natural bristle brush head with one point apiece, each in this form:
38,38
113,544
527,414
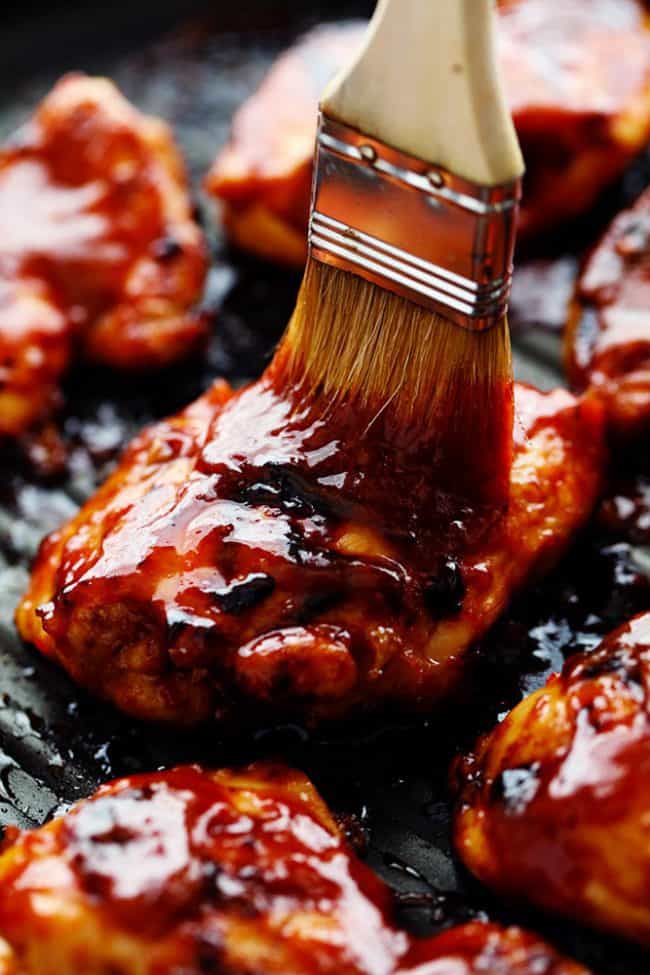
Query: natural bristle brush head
355,346
402,311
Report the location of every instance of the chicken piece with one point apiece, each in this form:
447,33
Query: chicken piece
608,333
578,77
99,254
578,80
555,802
250,558
264,174
226,872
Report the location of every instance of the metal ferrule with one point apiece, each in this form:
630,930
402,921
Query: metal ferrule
418,231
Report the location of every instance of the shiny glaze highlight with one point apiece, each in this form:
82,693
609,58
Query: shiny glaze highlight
254,549
231,872
555,802
99,253
608,334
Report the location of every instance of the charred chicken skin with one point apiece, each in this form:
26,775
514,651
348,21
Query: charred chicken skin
608,334
230,873
99,254
555,803
254,557
578,78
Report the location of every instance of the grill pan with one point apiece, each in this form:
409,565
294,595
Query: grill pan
386,780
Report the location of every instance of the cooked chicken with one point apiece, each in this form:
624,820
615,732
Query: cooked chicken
230,873
99,254
252,558
264,173
578,77
555,803
608,335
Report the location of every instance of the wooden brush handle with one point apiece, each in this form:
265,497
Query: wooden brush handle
427,82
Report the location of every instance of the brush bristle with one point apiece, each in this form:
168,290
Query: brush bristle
350,341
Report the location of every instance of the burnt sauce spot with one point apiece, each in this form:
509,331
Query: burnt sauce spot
281,487
317,603
167,248
444,592
244,594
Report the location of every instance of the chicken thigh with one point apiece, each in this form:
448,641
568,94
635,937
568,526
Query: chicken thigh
578,79
554,804
608,334
254,558
99,254
232,873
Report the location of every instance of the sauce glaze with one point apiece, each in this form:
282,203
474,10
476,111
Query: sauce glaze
254,549
99,254
554,803
608,335
230,872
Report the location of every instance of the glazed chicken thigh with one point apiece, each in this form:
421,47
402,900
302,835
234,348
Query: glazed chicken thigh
99,254
231,873
254,557
608,334
554,804
577,75
578,78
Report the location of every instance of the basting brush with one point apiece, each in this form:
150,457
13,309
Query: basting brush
402,309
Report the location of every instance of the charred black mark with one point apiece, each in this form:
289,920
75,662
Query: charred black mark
198,216
298,550
244,594
317,603
281,487
210,872
166,248
444,593
261,493
516,787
